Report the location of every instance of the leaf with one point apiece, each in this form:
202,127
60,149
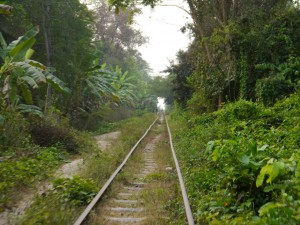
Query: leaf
26,94
30,81
252,148
254,165
266,207
244,159
36,64
19,52
3,44
216,154
30,109
29,53
275,187
55,82
262,148
6,85
277,167
273,170
27,36
34,72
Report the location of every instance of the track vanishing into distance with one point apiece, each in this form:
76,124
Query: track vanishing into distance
136,192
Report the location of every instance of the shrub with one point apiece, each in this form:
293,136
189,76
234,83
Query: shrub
77,190
253,154
14,133
47,135
240,110
270,90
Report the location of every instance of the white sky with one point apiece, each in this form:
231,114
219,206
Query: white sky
162,26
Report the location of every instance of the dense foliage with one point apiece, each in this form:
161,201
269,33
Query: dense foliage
92,50
241,163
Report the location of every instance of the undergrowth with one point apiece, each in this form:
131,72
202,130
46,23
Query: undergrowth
241,164
20,172
68,197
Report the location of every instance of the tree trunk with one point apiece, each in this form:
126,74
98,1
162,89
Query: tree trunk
220,101
47,37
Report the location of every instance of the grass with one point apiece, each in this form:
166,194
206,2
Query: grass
51,208
161,197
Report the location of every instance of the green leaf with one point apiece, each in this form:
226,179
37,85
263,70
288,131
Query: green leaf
266,207
30,109
273,170
216,154
244,159
262,148
275,187
55,82
252,148
18,53
29,35
26,94
254,165
277,167
29,80
29,53
3,46
36,64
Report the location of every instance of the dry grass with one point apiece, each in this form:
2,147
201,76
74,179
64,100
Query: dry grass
160,197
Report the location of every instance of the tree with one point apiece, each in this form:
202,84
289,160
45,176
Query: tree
64,43
19,74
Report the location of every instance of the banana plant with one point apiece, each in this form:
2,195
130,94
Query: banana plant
123,86
99,80
19,74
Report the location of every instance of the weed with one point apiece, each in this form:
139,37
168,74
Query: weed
77,190
64,203
240,163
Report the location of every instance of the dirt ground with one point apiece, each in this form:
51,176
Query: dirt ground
105,140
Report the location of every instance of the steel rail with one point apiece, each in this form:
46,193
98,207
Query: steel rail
87,210
187,207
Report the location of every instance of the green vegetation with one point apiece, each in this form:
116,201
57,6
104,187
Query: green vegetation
65,201
65,67
24,171
241,163
75,190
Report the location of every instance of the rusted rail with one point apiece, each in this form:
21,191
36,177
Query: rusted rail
85,213
187,207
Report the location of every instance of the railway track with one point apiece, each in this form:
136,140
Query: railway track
128,197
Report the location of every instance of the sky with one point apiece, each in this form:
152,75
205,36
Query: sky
162,27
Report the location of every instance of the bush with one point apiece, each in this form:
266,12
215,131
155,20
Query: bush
240,110
270,90
47,135
252,153
14,132
75,189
